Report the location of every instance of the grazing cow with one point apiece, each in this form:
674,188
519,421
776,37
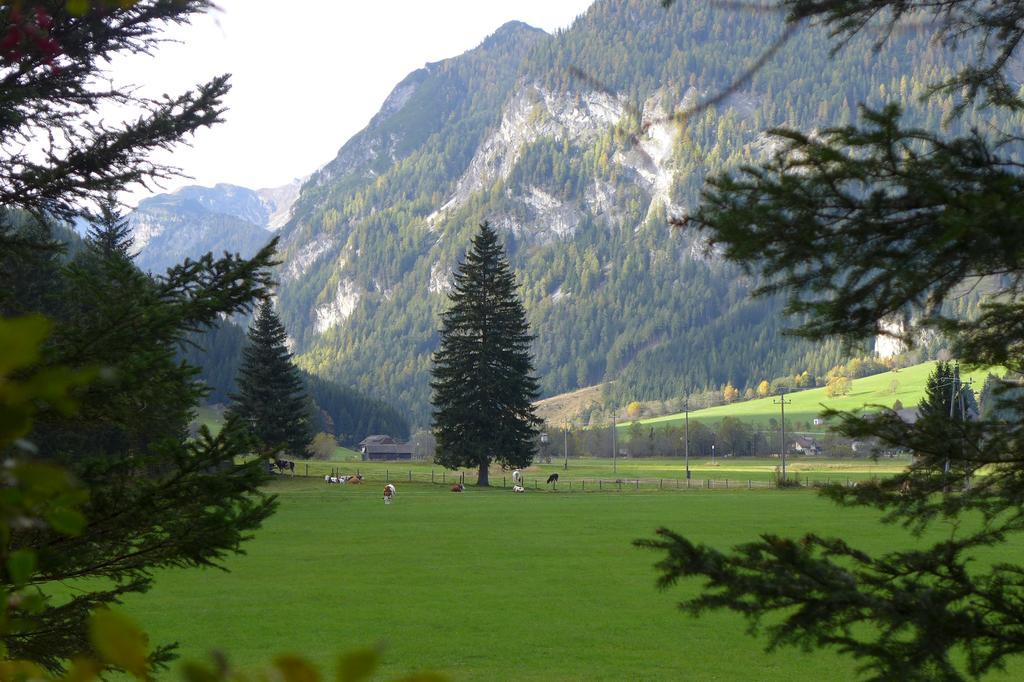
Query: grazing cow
285,465
518,489
353,480
517,477
553,478
457,488
389,492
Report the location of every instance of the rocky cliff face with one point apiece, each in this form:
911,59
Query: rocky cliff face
278,201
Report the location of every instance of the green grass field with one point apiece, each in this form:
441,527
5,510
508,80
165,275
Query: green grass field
489,585
806,405
210,417
343,454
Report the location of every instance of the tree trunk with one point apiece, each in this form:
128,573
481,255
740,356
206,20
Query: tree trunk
481,479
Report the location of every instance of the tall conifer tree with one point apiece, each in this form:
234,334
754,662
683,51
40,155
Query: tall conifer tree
156,498
483,380
271,395
857,226
110,233
943,391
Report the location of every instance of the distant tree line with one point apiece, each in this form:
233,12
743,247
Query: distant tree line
732,437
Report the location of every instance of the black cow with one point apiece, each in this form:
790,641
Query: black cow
553,478
285,465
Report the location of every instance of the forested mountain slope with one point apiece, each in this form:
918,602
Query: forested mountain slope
563,143
338,410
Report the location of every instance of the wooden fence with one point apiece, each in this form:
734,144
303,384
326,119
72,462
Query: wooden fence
443,477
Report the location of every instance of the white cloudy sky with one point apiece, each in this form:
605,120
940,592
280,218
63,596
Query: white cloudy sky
308,74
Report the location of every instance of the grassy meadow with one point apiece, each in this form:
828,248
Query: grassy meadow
491,585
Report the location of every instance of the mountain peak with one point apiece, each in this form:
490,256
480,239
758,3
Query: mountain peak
511,30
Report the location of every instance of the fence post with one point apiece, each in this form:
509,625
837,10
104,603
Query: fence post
410,475
599,484
584,485
727,483
535,486
462,478
659,484
570,486
748,484
387,476
638,484
431,475
444,475
307,470
502,481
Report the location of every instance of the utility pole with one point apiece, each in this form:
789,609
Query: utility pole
781,402
686,444
615,445
954,389
566,445
956,395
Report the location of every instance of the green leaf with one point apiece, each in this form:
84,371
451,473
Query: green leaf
196,672
21,339
66,521
21,565
77,8
357,665
21,670
120,642
295,669
83,670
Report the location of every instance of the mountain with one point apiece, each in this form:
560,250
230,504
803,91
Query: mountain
195,220
565,143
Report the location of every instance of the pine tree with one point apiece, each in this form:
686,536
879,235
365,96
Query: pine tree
271,396
151,497
156,498
856,225
55,56
110,234
483,380
946,396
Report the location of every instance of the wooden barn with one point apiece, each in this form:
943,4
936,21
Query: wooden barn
384,448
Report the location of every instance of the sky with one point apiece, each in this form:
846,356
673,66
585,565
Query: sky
308,74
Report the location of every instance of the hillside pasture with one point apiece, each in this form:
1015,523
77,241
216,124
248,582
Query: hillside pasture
490,585
865,393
